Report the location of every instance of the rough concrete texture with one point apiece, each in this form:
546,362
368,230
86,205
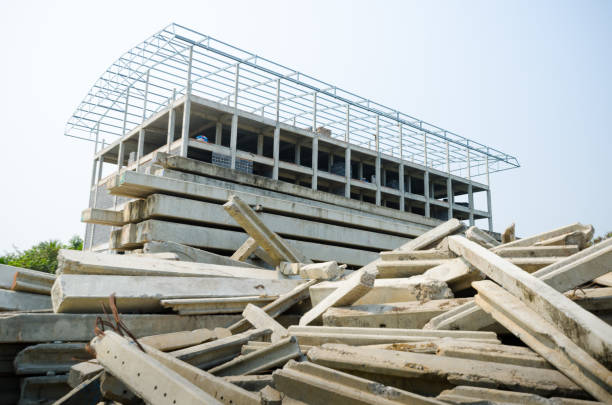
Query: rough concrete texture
191,254
22,301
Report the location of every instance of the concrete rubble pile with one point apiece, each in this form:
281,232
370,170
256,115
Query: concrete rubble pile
453,316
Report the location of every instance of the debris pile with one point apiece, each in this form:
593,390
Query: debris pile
453,316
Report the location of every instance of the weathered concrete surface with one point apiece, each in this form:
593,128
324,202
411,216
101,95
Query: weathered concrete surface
210,354
509,234
315,384
606,279
176,209
178,340
49,357
83,371
261,320
88,392
78,262
481,237
346,293
213,238
268,358
202,306
416,288
43,389
430,254
49,327
589,332
408,315
579,238
206,169
191,254
592,299
25,276
545,339
406,268
22,301
321,271
457,273
245,250
464,394
280,305
430,374
532,240
318,335
102,217
252,383
538,251
85,293
257,229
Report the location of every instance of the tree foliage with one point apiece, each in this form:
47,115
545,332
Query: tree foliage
43,256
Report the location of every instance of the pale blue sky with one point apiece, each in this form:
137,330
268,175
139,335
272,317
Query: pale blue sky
531,78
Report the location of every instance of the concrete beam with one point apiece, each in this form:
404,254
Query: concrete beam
178,340
8,274
538,251
32,281
102,217
532,240
86,293
191,254
21,301
49,358
481,237
546,339
315,384
261,320
48,327
346,292
464,394
429,374
245,250
88,392
431,254
206,306
408,315
275,355
589,332
273,244
72,262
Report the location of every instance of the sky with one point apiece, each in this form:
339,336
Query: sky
530,78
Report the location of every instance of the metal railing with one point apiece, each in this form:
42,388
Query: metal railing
147,77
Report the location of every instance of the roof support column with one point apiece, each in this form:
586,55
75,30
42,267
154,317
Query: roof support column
298,151
276,141
347,171
234,129
187,108
426,177
260,143
218,132
315,144
377,161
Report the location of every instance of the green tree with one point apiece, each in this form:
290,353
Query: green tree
602,238
43,256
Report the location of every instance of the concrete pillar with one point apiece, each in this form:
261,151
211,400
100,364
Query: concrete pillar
360,170
93,173
233,140
315,159
402,201
383,177
347,171
471,202
171,125
449,195
260,143
298,151
218,133
489,210
120,156
140,149
330,161
275,152
426,189
409,184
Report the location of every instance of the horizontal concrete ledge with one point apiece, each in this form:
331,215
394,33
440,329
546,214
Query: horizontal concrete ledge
21,301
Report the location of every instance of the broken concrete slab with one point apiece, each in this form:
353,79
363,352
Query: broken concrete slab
408,315
22,301
589,332
191,254
78,262
346,293
321,271
102,217
50,327
202,306
245,250
481,237
273,244
538,251
428,374
457,273
545,339
280,305
261,320
86,293
316,385
46,358
532,240
32,281
177,340
416,288
83,371
509,234
275,355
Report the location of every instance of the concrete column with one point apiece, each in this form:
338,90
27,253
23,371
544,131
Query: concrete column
315,159
275,152
471,202
489,210
186,119
426,189
218,133
347,171
120,156
360,170
383,177
171,125
330,161
234,129
260,142
409,184
298,151
93,173
402,201
140,149
449,194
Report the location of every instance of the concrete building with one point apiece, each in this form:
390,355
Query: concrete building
187,94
